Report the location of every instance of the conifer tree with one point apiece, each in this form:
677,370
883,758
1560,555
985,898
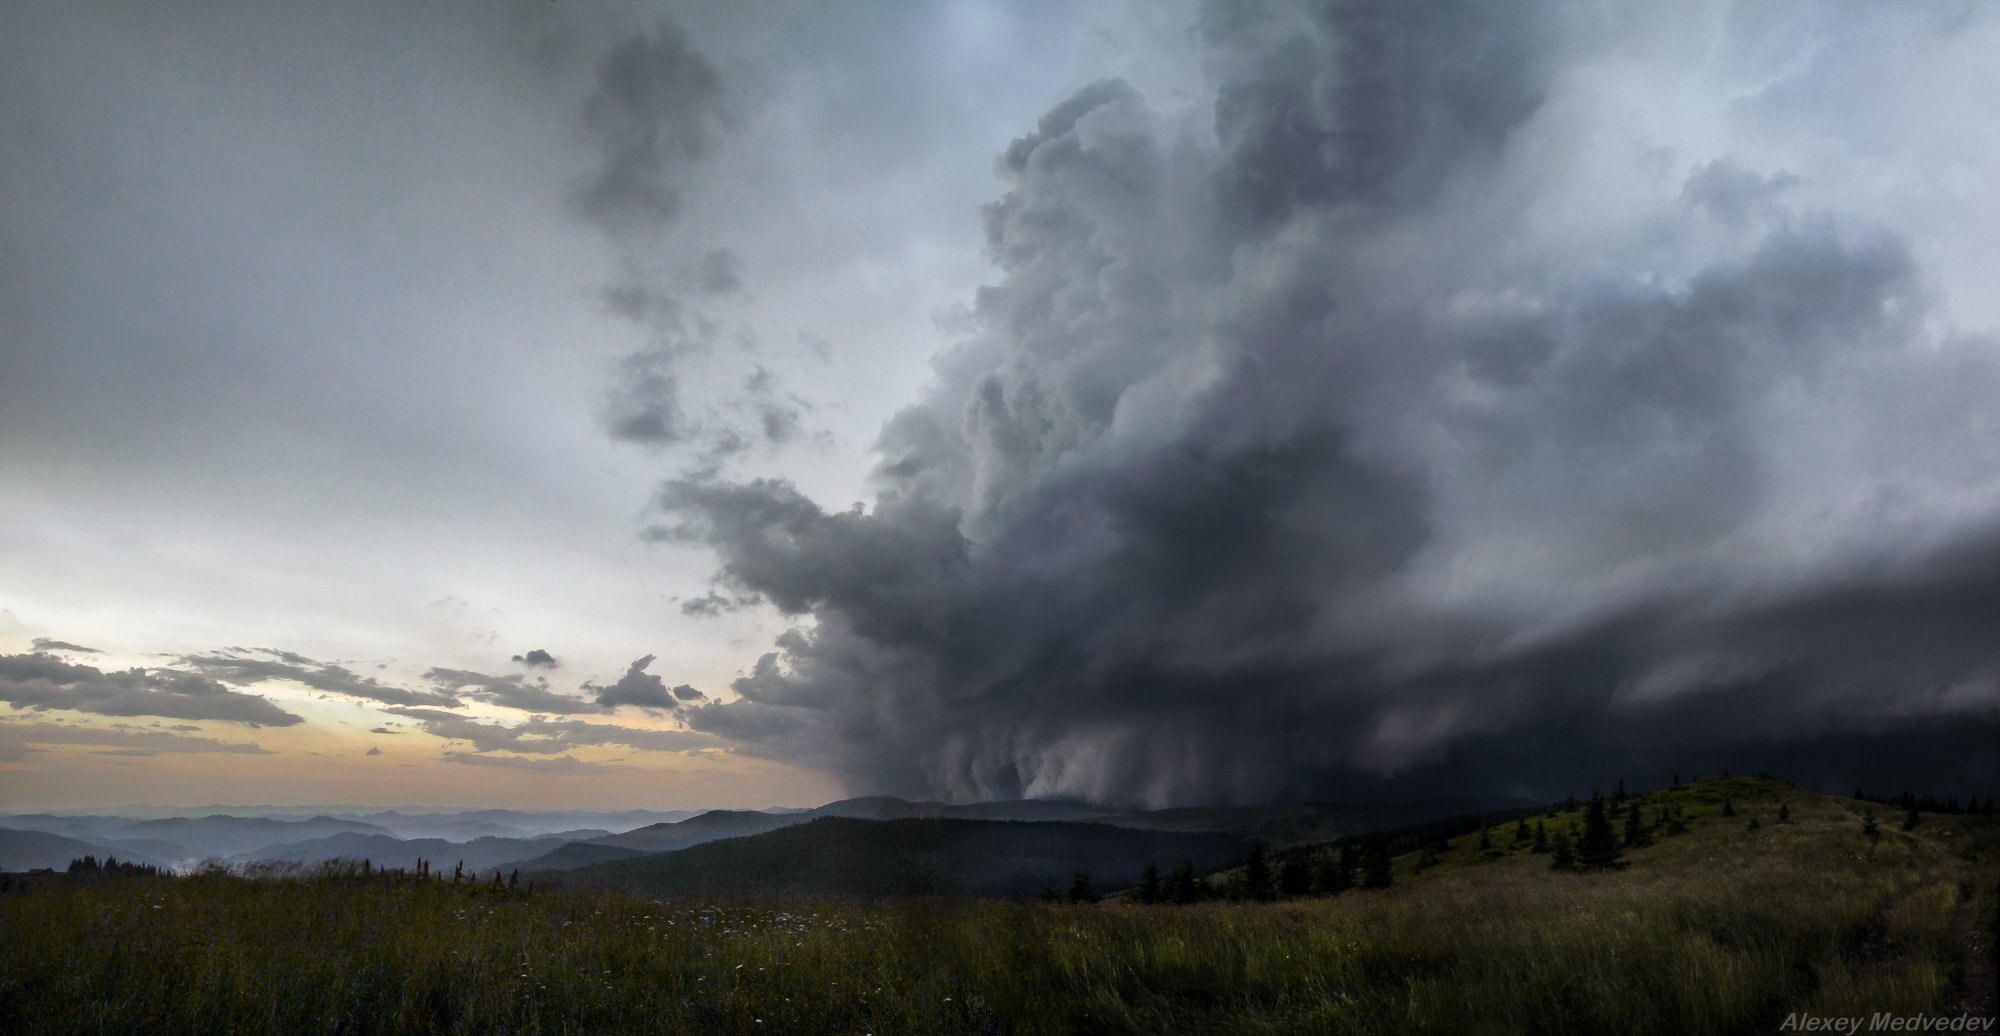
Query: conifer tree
1637,835
1079,888
1912,820
1541,839
1485,839
1564,858
1521,832
1255,878
1149,885
1598,848
1870,828
1784,813
1728,807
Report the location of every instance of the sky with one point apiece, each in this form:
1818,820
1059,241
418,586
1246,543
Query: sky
653,405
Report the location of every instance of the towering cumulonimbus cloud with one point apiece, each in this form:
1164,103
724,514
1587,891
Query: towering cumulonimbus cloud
1398,417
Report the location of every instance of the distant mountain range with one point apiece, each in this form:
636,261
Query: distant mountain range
849,858
32,850
931,845
479,855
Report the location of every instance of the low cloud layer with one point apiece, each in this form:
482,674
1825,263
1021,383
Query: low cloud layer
45,644
539,736
515,692
19,740
1409,413
42,682
245,667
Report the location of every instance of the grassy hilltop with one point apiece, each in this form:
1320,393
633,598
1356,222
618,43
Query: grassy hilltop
1723,928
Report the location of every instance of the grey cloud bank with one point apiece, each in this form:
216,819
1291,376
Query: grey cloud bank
42,682
1400,417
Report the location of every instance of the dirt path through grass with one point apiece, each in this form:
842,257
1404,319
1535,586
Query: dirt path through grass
1972,932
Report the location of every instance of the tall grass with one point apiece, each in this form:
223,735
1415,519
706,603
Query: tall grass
1720,930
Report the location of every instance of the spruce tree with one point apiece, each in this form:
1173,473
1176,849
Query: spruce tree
1564,858
1637,836
1598,848
1728,807
1079,888
1149,885
1541,839
1521,832
1485,839
1255,877
1182,886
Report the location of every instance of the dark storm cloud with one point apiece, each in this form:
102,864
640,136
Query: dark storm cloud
323,676
45,644
43,681
1295,457
548,737
513,691
538,659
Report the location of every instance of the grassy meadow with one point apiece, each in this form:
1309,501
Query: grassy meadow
1722,929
